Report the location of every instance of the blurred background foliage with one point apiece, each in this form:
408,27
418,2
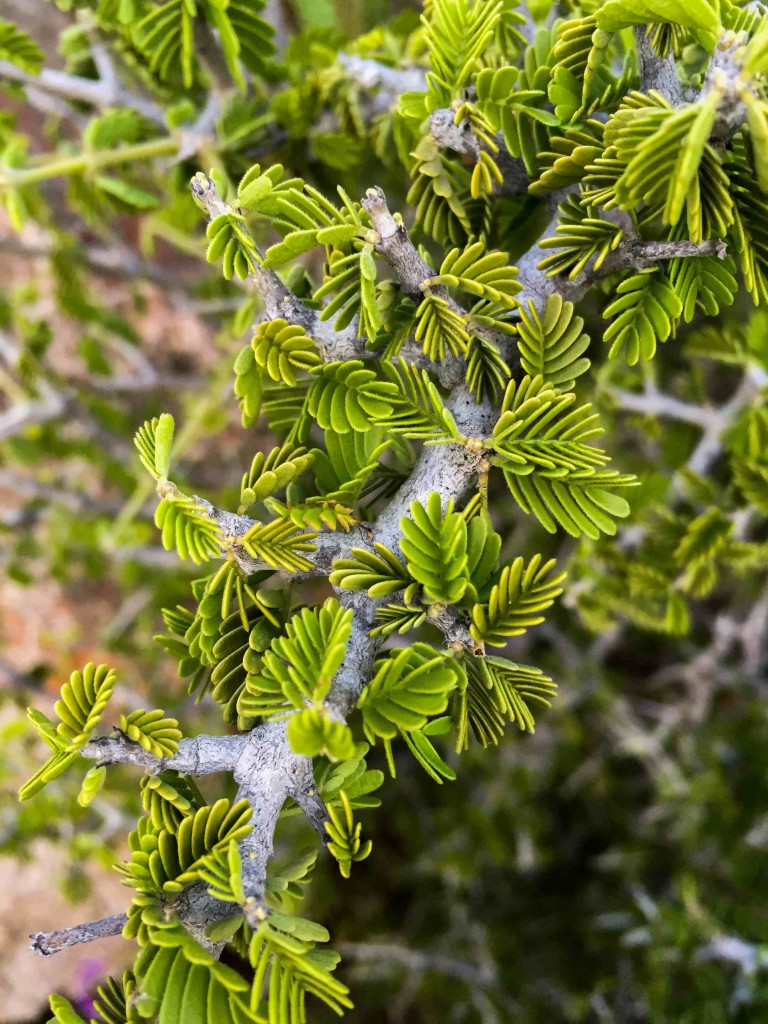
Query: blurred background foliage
609,868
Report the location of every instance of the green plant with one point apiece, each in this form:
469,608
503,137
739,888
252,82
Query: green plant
414,389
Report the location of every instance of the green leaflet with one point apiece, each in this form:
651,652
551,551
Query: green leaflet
516,601
552,343
279,544
168,798
645,311
757,119
222,871
152,730
696,15
456,34
486,275
166,37
280,349
580,236
487,373
551,472
248,385
408,687
188,529
271,473
176,977
19,48
284,946
162,861
300,665
380,573
153,441
417,410
498,691
232,243
82,703
435,549
311,732
348,396
440,328
346,844
668,163
92,783
749,233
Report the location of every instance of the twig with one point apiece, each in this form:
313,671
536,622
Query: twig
422,962
277,300
48,943
82,90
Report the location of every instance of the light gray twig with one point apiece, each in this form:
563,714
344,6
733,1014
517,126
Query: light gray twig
48,943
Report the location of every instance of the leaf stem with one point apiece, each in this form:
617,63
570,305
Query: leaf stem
88,161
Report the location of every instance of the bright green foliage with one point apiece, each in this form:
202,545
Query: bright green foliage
367,353
166,35
347,396
312,732
552,344
456,35
248,385
176,975
515,603
344,833
398,618
707,283
114,1001
697,15
408,687
188,529
487,373
92,783
580,236
231,243
278,544
498,691
486,275
645,311
353,775
166,862
83,702
260,192
440,328
271,473
222,871
284,945
19,48
417,410
435,549
153,441
550,470
157,734
379,572
298,668
168,798
281,349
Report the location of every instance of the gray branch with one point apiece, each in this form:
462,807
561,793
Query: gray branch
276,298
659,73
97,93
48,943
392,242
461,139
202,755
373,74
